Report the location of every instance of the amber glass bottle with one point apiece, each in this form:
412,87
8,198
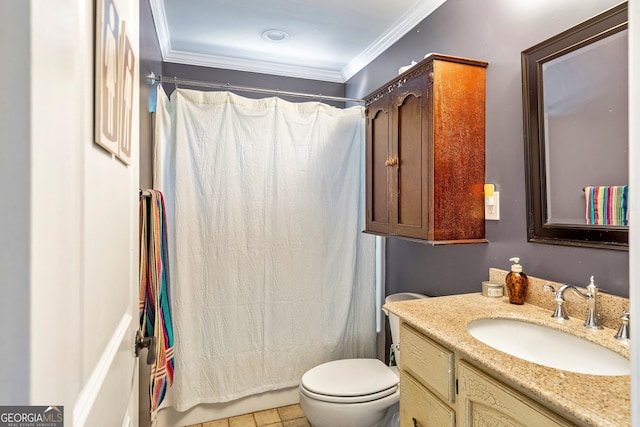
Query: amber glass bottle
517,283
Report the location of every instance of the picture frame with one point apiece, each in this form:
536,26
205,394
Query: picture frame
115,67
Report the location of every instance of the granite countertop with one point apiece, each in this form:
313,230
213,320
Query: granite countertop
583,399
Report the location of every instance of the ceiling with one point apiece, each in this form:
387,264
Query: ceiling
328,40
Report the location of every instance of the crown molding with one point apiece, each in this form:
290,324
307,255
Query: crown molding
264,67
162,28
398,30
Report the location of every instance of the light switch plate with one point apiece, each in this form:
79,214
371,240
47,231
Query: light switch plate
489,213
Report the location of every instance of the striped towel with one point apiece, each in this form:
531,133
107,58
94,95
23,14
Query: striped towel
154,307
607,205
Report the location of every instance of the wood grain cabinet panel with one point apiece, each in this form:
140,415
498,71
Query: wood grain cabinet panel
409,116
426,152
378,146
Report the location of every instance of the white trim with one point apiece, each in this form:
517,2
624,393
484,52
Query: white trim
398,30
162,27
87,397
263,67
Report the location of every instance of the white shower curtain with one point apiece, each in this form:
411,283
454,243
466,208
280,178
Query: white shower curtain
270,272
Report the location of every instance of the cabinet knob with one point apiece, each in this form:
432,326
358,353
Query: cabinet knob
391,161
415,422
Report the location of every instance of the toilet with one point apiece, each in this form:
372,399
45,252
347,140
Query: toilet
355,392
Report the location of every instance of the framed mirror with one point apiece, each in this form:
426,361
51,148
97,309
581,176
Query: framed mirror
575,92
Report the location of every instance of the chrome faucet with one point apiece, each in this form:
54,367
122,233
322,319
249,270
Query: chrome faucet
591,295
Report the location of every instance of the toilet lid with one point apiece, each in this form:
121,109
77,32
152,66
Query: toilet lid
351,378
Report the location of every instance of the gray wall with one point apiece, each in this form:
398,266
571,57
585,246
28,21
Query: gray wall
496,31
15,193
242,78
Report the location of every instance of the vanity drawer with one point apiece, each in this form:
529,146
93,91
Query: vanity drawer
430,363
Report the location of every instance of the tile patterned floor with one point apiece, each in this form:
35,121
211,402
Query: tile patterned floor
285,416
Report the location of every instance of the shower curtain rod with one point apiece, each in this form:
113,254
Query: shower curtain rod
227,86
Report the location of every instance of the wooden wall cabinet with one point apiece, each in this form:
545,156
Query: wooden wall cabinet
426,152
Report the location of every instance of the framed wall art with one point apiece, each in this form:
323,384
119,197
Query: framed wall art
115,65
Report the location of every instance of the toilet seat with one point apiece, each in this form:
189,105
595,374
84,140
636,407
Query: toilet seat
350,399
349,381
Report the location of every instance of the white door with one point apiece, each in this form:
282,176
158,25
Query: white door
83,223
110,391
82,352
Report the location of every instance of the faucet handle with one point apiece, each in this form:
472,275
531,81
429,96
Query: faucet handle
592,321
559,312
623,333
592,286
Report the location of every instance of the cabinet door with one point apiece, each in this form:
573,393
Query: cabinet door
409,195
378,145
484,401
420,408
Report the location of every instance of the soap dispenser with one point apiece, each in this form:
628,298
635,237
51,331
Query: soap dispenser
517,283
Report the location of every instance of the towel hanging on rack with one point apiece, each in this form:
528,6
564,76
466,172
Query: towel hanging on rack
607,205
154,304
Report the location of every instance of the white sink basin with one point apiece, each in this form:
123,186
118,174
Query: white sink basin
548,347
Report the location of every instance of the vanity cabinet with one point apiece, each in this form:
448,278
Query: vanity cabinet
438,389
426,152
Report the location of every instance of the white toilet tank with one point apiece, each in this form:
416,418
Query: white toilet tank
394,321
